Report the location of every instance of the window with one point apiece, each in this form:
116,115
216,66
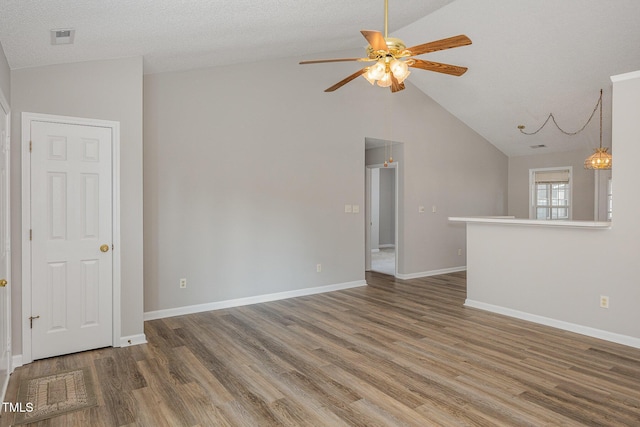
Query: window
550,193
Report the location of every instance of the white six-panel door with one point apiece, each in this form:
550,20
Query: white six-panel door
71,238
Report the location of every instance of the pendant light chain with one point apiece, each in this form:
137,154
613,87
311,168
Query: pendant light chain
552,118
600,102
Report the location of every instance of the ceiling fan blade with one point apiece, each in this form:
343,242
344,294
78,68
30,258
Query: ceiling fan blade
375,39
451,42
439,67
320,61
346,80
396,86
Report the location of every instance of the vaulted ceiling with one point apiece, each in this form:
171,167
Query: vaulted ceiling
528,58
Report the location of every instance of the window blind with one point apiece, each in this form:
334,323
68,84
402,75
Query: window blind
551,176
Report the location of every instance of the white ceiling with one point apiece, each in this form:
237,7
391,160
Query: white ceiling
528,57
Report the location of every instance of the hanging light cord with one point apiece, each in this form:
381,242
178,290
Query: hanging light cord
600,102
552,118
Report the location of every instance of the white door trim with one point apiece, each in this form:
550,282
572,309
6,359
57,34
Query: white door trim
27,118
367,219
6,145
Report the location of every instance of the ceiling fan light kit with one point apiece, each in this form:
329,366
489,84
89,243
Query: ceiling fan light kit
392,59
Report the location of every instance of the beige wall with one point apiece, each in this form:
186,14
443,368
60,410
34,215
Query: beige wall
583,181
247,174
108,90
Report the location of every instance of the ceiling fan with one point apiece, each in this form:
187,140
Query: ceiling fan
393,59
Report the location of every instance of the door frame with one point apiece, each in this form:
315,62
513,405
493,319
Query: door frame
6,145
367,215
27,119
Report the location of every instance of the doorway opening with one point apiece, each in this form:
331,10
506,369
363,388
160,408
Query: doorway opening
381,204
382,244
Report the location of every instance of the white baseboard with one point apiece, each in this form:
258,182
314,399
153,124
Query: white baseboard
375,250
133,340
559,324
16,360
219,305
431,273
386,246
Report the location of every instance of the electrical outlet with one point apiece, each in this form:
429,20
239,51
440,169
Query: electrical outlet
604,301
459,251
318,268
183,283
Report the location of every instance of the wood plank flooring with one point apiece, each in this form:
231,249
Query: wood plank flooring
389,354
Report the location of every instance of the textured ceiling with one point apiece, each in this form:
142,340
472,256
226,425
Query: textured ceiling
528,57
187,34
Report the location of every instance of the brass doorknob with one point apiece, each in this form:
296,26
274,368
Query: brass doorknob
3,283
104,248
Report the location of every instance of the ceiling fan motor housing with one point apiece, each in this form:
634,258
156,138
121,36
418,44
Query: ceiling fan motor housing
397,49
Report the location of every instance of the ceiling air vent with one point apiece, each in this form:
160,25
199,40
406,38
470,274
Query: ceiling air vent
537,146
62,36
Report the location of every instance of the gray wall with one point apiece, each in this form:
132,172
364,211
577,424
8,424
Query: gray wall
382,207
246,182
460,174
375,208
449,166
583,181
387,219
109,90
246,179
5,76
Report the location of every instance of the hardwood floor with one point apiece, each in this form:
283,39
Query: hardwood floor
391,353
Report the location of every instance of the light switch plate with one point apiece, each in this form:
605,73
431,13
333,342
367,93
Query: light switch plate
356,209
347,208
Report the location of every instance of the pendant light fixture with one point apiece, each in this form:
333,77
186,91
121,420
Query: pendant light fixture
599,160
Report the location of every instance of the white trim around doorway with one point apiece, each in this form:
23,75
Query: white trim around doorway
6,146
27,118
